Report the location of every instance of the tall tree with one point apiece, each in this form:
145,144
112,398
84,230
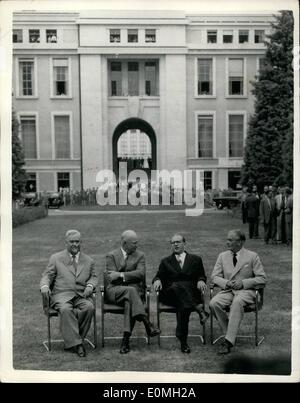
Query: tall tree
268,157
18,172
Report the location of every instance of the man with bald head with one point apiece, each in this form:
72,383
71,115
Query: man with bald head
70,279
124,282
179,278
237,272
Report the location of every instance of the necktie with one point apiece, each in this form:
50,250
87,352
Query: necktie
74,263
179,261
234,259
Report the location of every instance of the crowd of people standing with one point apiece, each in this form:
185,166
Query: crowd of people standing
273,209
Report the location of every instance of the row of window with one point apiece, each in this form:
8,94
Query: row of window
205,135
34,36
135,78
62,181
227,36
60,74
132,35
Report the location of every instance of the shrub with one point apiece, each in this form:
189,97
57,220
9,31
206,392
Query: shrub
22,215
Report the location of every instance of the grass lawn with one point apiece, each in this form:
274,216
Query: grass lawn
34,242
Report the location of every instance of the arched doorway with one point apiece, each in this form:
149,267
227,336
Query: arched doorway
134,141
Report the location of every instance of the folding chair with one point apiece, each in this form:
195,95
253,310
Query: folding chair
51,313
107,307
162,308
254,307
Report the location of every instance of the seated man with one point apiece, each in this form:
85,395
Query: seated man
124,282
237,271
180,277
70,279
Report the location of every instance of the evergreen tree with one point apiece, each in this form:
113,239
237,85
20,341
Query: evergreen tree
18,172
268,157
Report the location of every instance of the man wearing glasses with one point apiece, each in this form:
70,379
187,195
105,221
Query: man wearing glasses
179,279
237,272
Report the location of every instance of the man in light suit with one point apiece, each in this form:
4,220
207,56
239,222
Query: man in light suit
70,279
237,271
124,282
180,277
266,211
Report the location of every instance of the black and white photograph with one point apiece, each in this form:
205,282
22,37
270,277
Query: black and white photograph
149,191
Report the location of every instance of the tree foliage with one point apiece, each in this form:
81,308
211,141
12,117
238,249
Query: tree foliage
18,172
268,155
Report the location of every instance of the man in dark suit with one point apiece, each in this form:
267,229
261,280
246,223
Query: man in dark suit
70,279
252,207
266,211
124,282
179,279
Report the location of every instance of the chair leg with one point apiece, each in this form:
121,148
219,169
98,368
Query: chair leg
211,328
102,328
204,333
256,327
49,332
95,329
158,325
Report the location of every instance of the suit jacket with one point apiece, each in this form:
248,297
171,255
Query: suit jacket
279,203
249,269
252,206
169,270
60,276
134,269
266,209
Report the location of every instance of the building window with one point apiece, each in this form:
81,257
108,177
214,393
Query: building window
115,35
116,78
236,76
227,36
211,36
207,180
151,78
34,35
243,36
51,35
63,180
205,82
259,36
26,77
205,136
31,182
133,78
236,136
132,35
17,36
28,136
62,136
150,35
234,180
60,77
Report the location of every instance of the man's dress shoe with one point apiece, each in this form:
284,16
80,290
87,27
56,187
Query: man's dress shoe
225,348
80,350
153,331
125,348
185,348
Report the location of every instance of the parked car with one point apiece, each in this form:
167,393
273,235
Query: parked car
30,199
228,199
55,200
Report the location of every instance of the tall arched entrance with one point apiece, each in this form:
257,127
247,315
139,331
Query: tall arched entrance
134,142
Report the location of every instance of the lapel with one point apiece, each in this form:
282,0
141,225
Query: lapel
120,259
175,264
239,264
68,262
185,265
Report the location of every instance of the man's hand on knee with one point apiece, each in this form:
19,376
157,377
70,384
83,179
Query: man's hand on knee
88,291
157,285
